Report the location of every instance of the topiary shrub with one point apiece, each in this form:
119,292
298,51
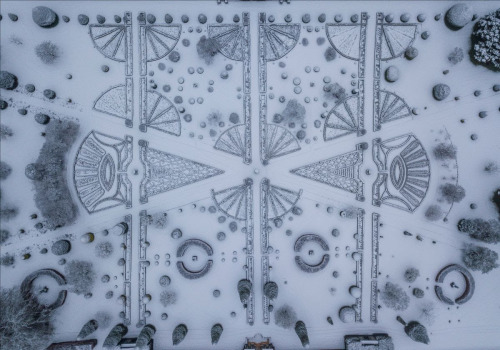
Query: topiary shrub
24,323
411,274
482,230
179,334
244,290
479,258
347,314
271,290
285,316
394,297
80,275
87,329
216,332
61,247
115,336
485,40
145,337
301,331
8,81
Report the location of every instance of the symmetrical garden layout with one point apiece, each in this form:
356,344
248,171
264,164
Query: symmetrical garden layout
261,171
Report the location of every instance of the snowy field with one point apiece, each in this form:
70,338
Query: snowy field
222,153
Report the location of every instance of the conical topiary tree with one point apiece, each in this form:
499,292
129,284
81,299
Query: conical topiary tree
301,330
244,290
143,339
271,290
87,329
415,330
115,335
216,332
179,334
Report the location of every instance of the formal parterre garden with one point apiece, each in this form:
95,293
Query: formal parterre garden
191,174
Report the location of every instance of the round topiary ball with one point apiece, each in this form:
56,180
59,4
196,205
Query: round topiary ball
347,314
440,91
411,53
61,247
41,118
458,16
392,74
44,16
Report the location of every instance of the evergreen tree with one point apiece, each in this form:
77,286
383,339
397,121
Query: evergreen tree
87,329
179,334
301,330
216,332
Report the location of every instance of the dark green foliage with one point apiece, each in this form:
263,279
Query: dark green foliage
179,334
80,275
216,332
415,331
5,170
394,297
143,339
44,16
24,323
115,335
244,290
61,247
271,290
87,329
482,230
52,195
8,80
479,258
301,330
485,40
411,274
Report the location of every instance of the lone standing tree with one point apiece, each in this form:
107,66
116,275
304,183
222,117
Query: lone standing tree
179,334
415,331
216,332
244,290
301,330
